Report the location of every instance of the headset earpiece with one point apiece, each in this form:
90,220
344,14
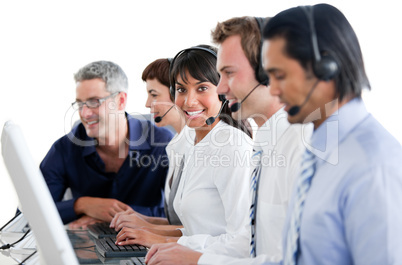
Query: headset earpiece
324,66
260,74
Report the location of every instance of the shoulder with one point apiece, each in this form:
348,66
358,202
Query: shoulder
70,146
228,138
182,141
370,143
296,136
138,128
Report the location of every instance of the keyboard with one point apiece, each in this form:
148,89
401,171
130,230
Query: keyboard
101,230
108,249
133,261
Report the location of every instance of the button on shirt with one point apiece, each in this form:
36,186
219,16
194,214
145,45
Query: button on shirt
282,145
73,162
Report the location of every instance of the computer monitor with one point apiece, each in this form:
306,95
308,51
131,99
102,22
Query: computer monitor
35,199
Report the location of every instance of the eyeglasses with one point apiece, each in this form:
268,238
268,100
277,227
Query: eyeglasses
92,103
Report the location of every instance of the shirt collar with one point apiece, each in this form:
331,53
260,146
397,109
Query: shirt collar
327,137
271,131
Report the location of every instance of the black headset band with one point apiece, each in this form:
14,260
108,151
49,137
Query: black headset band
172,92
325,67
260,74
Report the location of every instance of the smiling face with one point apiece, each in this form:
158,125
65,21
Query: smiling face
96,120
198,100
159,102
237,81
237,77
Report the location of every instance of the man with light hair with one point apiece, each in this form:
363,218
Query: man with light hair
111,161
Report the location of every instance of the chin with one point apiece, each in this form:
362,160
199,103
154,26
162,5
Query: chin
196,124
92,133
294,119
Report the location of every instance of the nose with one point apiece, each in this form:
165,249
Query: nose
222,87
148,102
85,111
191,99
274,87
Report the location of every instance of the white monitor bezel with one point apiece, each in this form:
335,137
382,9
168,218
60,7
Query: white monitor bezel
35,199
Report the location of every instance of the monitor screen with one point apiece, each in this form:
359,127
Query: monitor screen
35,199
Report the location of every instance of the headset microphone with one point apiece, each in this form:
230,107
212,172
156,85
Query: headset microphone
295,109
158,119
211,120
235,107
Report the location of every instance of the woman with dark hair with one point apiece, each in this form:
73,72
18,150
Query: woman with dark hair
165,113
186,61
212,196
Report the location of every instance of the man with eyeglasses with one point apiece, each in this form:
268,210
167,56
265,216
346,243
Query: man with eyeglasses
111,161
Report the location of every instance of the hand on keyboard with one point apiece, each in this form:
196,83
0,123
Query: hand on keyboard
172,253
128,236
129,219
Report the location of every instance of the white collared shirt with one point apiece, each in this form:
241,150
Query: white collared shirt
212,199
282,145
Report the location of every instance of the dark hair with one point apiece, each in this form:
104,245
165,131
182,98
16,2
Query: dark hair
159,70
335,37
201,65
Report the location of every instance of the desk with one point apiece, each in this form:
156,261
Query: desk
83,244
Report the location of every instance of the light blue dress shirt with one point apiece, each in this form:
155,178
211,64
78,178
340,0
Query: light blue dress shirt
353,211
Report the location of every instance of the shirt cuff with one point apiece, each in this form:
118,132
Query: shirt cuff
66,211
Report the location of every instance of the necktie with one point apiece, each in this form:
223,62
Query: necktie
255,177
303,186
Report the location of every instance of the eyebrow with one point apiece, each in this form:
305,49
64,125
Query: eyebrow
152,91
233,68
199,82
272,70
223,68
77,99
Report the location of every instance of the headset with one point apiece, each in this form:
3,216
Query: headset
260,74
172,89
324,66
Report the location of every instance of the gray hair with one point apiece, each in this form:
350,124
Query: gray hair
109,72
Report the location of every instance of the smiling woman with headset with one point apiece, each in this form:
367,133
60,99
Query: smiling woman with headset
165,113
212,196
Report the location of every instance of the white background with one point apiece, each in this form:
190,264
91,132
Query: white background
43,43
